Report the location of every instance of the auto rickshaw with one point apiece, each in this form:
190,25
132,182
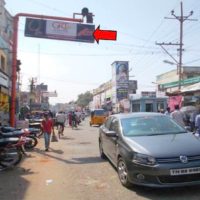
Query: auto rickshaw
98,117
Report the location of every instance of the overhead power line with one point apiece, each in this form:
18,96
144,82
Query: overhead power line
181,19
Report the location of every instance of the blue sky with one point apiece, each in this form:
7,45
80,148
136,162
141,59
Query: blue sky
72,68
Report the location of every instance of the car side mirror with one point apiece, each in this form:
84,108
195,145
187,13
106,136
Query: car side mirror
111,134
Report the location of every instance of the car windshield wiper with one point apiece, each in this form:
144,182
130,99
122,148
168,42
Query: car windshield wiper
154,134
180,132
165,133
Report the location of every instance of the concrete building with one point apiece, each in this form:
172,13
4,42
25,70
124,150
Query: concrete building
114,94
188,94
6,32
103,96
169,81
148,102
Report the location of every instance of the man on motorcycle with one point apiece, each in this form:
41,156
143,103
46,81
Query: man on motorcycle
60,120
74,119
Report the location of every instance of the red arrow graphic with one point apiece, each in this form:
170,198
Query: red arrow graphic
104,34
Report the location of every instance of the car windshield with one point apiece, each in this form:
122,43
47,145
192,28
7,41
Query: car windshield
150,125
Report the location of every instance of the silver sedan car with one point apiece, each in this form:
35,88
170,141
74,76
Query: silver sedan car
150,149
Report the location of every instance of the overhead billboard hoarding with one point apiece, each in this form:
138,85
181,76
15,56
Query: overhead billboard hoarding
120,79
59,30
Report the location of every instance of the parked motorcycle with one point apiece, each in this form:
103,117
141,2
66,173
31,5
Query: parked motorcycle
32,131
11,150
31,140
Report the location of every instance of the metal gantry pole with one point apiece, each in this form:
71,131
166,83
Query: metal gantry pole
14,58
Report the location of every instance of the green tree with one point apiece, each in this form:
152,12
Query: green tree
84,99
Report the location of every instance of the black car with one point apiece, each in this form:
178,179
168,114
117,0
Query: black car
150,149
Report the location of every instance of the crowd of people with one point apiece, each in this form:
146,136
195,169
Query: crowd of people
187,119
62,119
73,119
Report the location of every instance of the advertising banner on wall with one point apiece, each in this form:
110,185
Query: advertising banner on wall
4,102
60,30
120,79
4,80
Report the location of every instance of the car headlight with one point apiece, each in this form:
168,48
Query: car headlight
143,159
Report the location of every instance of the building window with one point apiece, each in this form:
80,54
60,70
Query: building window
149,107
3,63
136,107
160,106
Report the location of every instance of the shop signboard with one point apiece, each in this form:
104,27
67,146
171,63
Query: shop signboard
132,85
49,94
183,82
60,30
4,80
148,94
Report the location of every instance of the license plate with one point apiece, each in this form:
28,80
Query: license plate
176,172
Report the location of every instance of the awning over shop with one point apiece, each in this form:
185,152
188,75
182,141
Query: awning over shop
191,88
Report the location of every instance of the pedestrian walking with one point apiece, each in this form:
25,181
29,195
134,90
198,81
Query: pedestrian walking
167,112
178,116
197,123
70,118
47,129
193,118
74,120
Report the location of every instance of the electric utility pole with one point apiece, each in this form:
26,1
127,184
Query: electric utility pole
32,91
181,19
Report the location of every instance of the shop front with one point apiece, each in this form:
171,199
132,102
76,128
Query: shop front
4,99
148,103
4,106
191,94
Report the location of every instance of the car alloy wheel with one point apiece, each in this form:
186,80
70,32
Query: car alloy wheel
123,173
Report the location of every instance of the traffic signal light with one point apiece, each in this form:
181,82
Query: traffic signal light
85,12
89,18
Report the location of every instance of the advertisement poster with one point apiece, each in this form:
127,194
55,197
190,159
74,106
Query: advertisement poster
60,30
174,100
122,80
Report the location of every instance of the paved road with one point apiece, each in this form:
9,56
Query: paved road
72,170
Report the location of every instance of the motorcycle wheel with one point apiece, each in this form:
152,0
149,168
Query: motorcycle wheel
31,142
9,157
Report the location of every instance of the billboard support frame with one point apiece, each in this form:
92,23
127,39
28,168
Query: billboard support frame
14,57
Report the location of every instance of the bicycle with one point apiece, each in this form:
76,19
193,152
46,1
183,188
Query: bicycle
74,124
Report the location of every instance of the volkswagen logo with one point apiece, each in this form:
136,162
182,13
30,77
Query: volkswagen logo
183,159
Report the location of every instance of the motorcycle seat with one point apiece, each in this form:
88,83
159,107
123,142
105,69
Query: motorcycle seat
10,134
6,141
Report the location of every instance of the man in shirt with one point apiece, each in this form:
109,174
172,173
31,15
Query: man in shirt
47,127
197,123
60,120
178,116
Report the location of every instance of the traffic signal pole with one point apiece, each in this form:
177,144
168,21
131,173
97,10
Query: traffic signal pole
14,57
14,71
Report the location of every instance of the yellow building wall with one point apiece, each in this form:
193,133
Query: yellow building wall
2,54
